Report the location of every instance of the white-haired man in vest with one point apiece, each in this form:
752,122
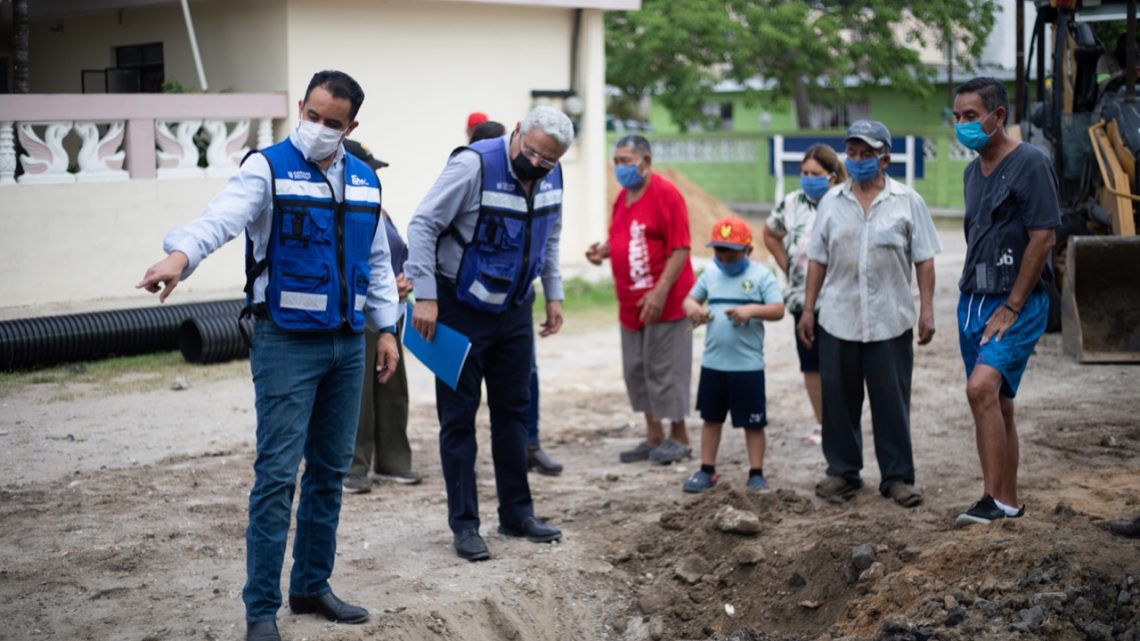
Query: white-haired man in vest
486,230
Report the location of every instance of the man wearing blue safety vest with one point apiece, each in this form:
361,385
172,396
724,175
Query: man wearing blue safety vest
318,272
487,229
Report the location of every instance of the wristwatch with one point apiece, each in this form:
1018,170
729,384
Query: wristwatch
391,329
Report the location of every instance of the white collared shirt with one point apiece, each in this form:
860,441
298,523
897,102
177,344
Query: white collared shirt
866,294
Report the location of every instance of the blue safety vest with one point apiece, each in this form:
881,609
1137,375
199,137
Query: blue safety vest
319,249
508,249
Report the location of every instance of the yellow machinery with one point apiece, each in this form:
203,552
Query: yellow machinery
1086,115
1100,291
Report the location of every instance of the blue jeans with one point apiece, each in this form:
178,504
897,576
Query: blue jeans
307,389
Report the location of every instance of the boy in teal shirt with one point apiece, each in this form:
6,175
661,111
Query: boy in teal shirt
740,296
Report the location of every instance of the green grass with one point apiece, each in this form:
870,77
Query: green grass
583,295
120,375
587,305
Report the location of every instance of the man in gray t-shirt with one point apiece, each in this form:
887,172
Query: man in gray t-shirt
1011,215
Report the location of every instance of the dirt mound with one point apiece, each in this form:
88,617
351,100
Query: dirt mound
814,570
704,211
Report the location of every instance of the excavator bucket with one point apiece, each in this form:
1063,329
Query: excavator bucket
1100,299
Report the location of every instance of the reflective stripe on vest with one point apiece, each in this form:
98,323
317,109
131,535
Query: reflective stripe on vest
508,247
319,250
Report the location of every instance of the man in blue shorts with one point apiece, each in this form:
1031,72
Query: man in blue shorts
1011,215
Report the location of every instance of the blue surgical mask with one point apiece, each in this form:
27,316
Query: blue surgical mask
815,186
971,134
863,170
731,269
628,177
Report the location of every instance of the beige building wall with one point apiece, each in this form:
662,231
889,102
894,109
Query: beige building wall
74,244
240,41
425,65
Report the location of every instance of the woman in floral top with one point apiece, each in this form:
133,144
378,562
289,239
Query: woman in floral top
786,236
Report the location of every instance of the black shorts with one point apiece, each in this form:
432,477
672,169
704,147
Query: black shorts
809,356
718,392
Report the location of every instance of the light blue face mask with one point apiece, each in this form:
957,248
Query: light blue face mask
863,170
971,134
731,269
815,186
627,176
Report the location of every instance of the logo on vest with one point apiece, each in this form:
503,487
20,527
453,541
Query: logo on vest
1006,258
357,180
300,175
505,186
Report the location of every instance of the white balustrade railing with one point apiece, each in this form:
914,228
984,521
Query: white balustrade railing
119,137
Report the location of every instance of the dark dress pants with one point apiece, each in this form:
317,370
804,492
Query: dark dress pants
885,367
502,353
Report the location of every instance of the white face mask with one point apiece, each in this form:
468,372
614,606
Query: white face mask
317,142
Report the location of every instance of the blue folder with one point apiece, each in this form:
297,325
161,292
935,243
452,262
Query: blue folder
444,355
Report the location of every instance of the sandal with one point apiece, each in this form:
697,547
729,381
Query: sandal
905,494
639,453
670,451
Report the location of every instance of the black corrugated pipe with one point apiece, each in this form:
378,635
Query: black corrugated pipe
48,340
213,339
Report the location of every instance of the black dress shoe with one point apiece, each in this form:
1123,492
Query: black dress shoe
539,461
262,631
328,606
469,545
532,530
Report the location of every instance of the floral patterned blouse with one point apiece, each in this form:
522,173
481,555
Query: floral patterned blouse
793,219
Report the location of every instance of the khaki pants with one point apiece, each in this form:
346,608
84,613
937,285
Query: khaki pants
657,361
382,435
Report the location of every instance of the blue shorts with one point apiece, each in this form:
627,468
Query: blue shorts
1010,355
809,356
741,392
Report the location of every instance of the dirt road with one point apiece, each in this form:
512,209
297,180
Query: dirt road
123,517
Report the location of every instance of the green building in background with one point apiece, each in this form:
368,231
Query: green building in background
732,162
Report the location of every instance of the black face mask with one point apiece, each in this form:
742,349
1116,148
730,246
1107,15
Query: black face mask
526,171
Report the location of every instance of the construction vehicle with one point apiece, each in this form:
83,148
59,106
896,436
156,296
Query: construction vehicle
1086,116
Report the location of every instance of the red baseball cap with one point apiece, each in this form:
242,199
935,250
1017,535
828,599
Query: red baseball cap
474,118
731,233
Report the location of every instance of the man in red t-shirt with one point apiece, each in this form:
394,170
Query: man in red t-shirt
648,248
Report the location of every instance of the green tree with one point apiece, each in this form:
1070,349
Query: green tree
672,50
806,50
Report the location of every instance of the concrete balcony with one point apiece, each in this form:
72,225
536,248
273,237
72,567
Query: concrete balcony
111,137
102,178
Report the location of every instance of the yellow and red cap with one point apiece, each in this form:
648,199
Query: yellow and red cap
731,233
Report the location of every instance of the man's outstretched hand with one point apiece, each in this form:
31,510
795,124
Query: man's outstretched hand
164,275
